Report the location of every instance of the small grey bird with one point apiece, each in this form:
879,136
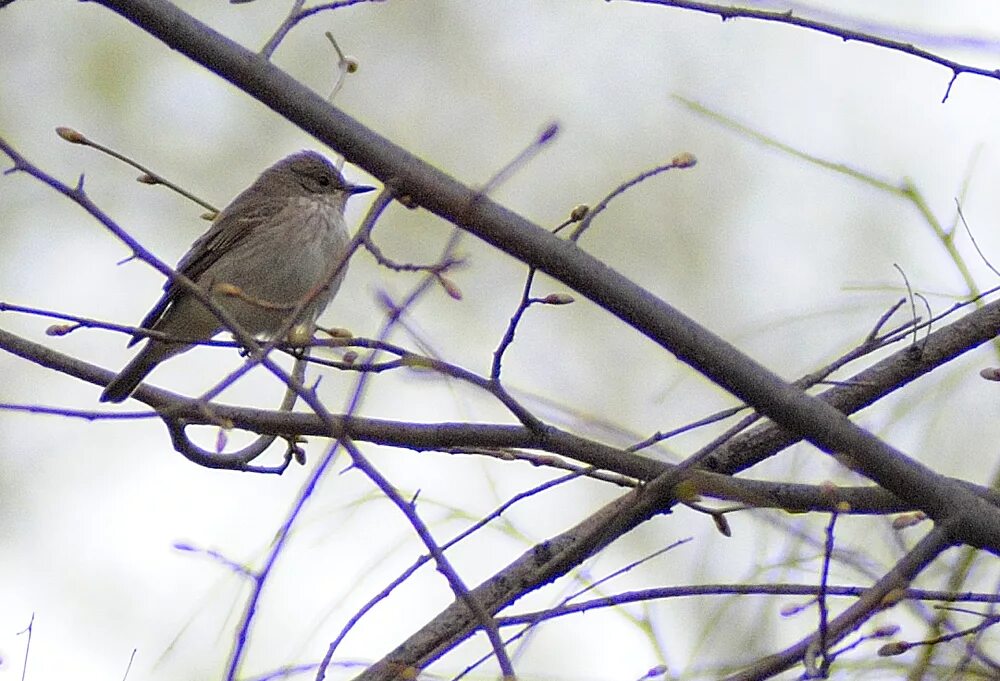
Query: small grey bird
270,248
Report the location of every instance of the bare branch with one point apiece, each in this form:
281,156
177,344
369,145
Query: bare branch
718,360
726,12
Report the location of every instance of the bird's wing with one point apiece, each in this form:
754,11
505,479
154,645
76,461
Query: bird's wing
230,227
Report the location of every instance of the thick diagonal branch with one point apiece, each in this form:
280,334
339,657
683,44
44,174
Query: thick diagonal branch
813,419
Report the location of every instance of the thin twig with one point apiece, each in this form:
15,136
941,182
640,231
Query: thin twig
693,590
683,160
972,238
148,176
27,646
786,17
297,14
443,564
422,560
873,600
545,137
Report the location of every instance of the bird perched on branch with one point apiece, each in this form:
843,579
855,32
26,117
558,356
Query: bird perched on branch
279,242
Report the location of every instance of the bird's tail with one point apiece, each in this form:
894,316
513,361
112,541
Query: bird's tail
125,383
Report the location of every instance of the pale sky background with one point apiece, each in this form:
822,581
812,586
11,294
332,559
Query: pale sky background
791,262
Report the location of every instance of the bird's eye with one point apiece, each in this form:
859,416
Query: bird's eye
324,180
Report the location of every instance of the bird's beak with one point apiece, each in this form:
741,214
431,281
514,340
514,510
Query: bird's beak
353,189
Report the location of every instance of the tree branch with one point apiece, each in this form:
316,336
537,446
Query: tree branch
813,419
730,12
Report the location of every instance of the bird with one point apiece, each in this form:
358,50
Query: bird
271,247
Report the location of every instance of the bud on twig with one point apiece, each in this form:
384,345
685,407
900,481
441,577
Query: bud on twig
990,373
683,160
220,440
61,329
885,631
892,649
339,332
71,135
557,299
550,131
722,525
450,287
